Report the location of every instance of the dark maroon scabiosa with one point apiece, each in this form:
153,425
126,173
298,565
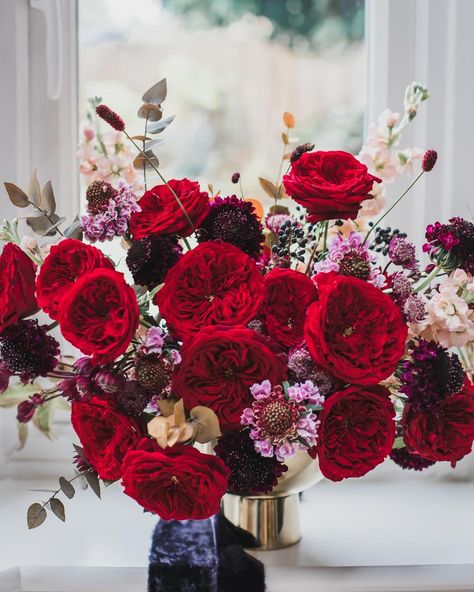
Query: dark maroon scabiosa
430,376
27,350
251,473
429,160
408,460
98,195
234,221
150,258
451,245
235,178
112,118
300,150
132,398
152,372
26,409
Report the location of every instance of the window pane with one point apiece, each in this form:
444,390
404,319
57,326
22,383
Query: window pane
233,67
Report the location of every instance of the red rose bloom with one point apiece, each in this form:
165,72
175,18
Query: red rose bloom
179,483
356,432
99,315
161,213
67,261
106,435
329,185
288,295
354,330
214,284
218,368
445,432
17,285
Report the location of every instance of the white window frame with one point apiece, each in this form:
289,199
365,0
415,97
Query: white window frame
425,40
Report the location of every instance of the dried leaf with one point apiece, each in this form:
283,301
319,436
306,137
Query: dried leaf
41,224
268,186
48,203
152,143
34,190
57,507
74,230
140,160
158,126
284,137
22,434
179,415
66,487
288,119
54,227
153,112
141,138
36,515
157,93
17,196
166,406
93,482
208,424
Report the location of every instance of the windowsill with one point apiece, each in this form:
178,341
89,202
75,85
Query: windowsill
410,521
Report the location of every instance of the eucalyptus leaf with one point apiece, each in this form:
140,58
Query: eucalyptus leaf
140,160
49,231
34,190
157,93
48,202
150,111
35,516
158,126
43,419
268,186
42,224
17,196
93,482
57,508
17,392
66,487
152,143
74,230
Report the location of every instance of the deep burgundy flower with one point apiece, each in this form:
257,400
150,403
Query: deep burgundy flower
430,375
402,252
150,258
132,397
91,380
429,160
112,118
235,178
98,195
234,221
407,460
26,409
27,350
451,245
251,473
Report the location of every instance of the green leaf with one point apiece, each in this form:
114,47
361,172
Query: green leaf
66,487
57,507
22,434
43,419
36,515
93,481
398,443
16,393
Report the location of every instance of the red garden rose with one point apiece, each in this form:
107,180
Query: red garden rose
354,330
17,285
288,295
329,185
161,213
106,435
445,432
214,284
67,261
99,314
356,433
179,483
218,368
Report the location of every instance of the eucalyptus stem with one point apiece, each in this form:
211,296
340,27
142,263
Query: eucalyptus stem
391,207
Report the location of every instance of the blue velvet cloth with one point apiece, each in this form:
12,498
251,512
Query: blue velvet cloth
202,556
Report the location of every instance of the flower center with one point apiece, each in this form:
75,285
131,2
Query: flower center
348,331
354,265
174,480
277,418
229,372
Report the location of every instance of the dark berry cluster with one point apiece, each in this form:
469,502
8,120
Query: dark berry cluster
383,237
292,241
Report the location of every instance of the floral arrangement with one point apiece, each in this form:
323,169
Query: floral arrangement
311,331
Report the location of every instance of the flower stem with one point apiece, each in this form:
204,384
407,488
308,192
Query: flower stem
424,282
391,207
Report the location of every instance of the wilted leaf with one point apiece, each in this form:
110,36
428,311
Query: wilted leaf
166,406
36,515
141,138
93,482
57,507
74,230
288,119
152,143
34,190
16,393
140,160
41,224
179,415
268,186
48,203
22,434
284,137
208,424
153,112
54,227
158,126
43,419
17,196
157,93
66,487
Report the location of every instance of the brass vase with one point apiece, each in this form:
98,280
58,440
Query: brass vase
273,519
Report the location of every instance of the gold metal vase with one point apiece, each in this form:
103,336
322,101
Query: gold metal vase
273,519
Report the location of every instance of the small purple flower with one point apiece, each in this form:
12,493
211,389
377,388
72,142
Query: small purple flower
153,342
402,252
261,391
414,309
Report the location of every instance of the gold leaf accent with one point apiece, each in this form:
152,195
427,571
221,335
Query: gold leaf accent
268,186
289,119
34,190
207,424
